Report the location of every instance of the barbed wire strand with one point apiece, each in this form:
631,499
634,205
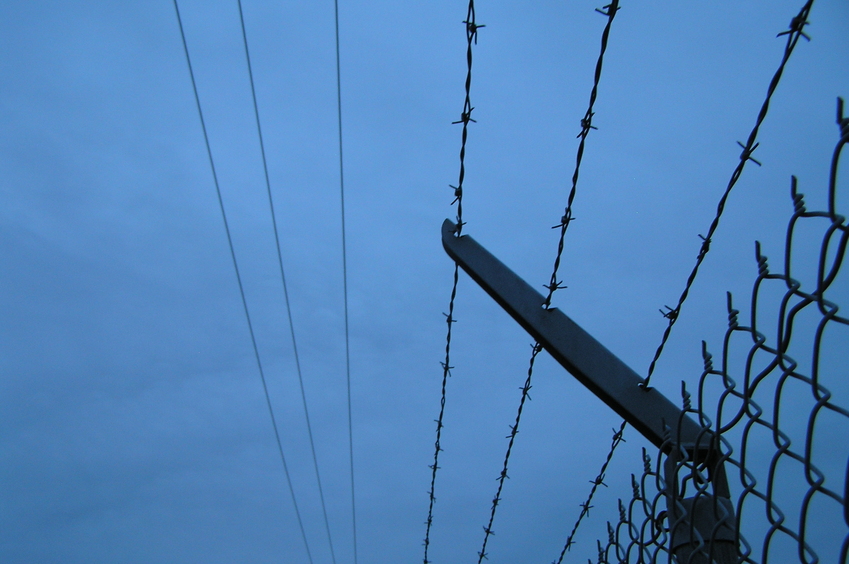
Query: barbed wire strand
794,33
599,481
609,11
345,278
241,287
586,125
514,430
465,117
285,287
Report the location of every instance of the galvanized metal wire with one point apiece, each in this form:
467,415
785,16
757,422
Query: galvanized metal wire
472,28
755,426
793,35
609,11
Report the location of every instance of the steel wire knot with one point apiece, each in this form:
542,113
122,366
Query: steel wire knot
763,266
842,122
705,248
670,313
566,219
747,153
458,193
732,313
465,118
609,10
707,358
797,25
472,30
587,124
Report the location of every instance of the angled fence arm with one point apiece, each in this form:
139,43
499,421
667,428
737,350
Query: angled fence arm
702,528
610,379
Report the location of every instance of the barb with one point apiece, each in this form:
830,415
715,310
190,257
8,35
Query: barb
793,34
472,28
239,280
608,11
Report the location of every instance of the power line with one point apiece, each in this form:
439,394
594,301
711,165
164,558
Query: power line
283,279
239,280
345,276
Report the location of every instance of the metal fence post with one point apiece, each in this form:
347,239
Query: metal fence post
702,527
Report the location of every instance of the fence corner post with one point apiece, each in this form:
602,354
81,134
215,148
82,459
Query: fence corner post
702,527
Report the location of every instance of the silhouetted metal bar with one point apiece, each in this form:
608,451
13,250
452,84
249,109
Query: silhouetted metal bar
610,379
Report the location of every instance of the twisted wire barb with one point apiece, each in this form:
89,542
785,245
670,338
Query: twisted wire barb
793,34
608,11
465,117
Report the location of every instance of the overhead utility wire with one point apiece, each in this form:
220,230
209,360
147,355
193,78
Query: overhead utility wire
239,280
283,279
345,277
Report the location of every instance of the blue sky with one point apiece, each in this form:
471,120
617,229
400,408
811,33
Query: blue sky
133,426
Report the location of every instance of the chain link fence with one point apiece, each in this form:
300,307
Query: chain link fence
768,477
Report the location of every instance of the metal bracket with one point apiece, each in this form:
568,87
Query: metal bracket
610,379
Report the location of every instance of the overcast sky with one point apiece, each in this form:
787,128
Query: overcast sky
133,425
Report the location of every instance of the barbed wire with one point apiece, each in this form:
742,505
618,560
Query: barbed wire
793,34
752,404
514,430
465,117
598,481
586,125
609,11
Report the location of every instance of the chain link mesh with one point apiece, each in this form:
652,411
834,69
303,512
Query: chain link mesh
770,424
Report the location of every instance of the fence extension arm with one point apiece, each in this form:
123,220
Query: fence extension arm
610,379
